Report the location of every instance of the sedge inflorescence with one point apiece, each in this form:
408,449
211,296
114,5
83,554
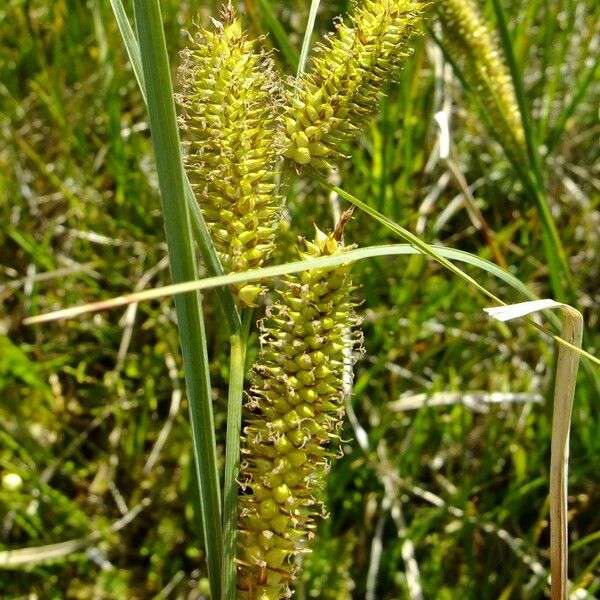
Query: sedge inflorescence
240,121
344,83
471,41
296,410
230,111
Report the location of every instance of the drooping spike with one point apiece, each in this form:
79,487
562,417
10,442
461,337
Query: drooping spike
345,79
230,101
297,407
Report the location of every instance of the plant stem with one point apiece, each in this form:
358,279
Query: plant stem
237,362
165,137
310,26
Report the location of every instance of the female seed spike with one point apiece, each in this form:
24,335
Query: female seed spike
472,44
230,98
296,411
343,86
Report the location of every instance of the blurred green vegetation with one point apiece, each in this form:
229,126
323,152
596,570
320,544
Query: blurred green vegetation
91,411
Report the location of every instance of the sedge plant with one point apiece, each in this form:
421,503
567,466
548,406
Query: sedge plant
233,111
240,121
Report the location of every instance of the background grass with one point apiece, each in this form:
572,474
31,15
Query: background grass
86,405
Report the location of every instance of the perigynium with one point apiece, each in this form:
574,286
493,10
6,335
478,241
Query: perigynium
472,44
296,407
230,101
344,83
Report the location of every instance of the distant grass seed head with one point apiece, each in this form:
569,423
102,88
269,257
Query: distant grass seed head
297,407
343,86
230,103
472,44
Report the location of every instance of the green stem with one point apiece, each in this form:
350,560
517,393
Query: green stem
165,138
310,26
237,362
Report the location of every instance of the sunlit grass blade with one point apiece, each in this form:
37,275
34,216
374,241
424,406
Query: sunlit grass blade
273,24
237,362
284,269
310,25
439,257
130,42
442,254
564,394
431,251
411,238
165,136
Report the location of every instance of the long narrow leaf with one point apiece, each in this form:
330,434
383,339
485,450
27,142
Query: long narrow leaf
310,26
165,137
439,257
411,238
304,265
131,45
564,393
237,362
201,234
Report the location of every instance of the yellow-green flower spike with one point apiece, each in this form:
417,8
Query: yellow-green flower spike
296,408
230,104
472,44
343,85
